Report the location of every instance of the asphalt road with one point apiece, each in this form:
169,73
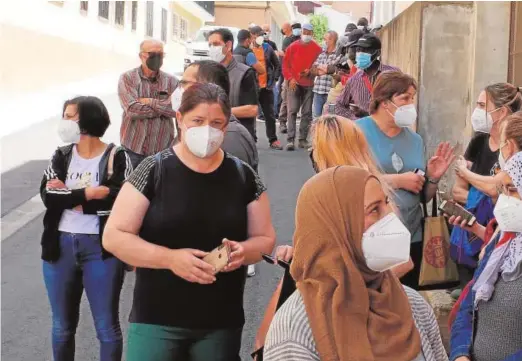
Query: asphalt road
26,318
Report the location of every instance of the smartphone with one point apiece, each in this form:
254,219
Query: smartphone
419,172
219,257
331,109
454,209
163,95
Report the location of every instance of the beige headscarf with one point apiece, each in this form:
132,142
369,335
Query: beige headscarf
356,314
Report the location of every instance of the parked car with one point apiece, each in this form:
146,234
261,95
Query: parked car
197,48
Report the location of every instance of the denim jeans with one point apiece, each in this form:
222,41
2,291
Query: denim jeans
81,265
319,101
159,343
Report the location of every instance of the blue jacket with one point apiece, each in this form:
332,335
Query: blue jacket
463,328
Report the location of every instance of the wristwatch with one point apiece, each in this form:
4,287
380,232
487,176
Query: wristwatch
433,180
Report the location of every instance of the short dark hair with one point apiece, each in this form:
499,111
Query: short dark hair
226,35
350,27
389,84
243,35
257,30
205,93
362,22
212,72
93,117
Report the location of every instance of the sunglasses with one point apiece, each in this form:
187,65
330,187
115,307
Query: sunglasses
269,259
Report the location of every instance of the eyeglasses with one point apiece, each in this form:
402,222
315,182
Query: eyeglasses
269,259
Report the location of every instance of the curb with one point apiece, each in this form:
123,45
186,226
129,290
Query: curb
19,217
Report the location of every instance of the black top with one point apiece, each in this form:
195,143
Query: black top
272,44
289,40
479,153
192,210
247,94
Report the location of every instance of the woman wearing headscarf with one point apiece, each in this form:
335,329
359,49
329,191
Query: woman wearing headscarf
348,305
488,326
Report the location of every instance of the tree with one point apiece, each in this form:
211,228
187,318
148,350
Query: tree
320,24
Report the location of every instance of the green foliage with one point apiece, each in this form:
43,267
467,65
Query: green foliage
320,24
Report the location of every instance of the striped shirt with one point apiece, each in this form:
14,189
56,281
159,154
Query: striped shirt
146,129
290,336
356,92
323,83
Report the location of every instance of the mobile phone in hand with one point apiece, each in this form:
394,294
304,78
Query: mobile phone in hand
419,172
219,257
452,208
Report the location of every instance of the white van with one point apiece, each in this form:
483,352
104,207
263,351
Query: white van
197,48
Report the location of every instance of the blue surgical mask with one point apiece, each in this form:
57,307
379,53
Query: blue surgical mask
296,32
363,60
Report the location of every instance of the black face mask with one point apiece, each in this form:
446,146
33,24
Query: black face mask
155,61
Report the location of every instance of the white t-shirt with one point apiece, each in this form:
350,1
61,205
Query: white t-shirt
82,173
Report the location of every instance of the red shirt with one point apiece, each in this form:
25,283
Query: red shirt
299,57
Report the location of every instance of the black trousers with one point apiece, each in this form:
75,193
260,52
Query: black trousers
266,100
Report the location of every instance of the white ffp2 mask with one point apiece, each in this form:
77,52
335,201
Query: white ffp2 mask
203,141
406,115
508,213
69,131
176,98
386,244
216,53
481,121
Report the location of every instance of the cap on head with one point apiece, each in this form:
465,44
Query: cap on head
350,27
308,27
354,37
369,41
243,35
257,30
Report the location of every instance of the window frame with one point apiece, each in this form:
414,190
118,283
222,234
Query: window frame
151,4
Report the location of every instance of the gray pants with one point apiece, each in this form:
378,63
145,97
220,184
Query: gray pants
302,98
283,111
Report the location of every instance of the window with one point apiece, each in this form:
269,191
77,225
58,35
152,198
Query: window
103,9
164,25
150,19
183,29
119,12
134,14
84,6
175,25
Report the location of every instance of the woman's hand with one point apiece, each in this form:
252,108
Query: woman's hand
440,162
187,264
461,166
411,182
55,184
237,255
99,192
284,253
459,222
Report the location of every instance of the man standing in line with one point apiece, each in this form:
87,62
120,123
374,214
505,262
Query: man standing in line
244,54
354,101
292,33
243,82
297,65
147,127
324,82
268,60
266,29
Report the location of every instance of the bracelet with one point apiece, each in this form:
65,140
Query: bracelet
433,181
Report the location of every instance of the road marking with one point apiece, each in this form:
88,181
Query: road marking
19,217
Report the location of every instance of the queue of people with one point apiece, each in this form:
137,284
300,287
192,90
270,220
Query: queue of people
185,182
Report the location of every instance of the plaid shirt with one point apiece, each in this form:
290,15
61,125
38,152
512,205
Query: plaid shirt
323,83
146,129
356,92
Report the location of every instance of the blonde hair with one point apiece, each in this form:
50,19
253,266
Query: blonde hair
338,141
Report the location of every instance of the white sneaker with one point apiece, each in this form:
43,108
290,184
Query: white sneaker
251,270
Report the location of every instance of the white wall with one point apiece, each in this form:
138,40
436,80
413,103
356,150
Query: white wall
69,23
337,21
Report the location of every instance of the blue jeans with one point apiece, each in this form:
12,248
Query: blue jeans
319,102
81,265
